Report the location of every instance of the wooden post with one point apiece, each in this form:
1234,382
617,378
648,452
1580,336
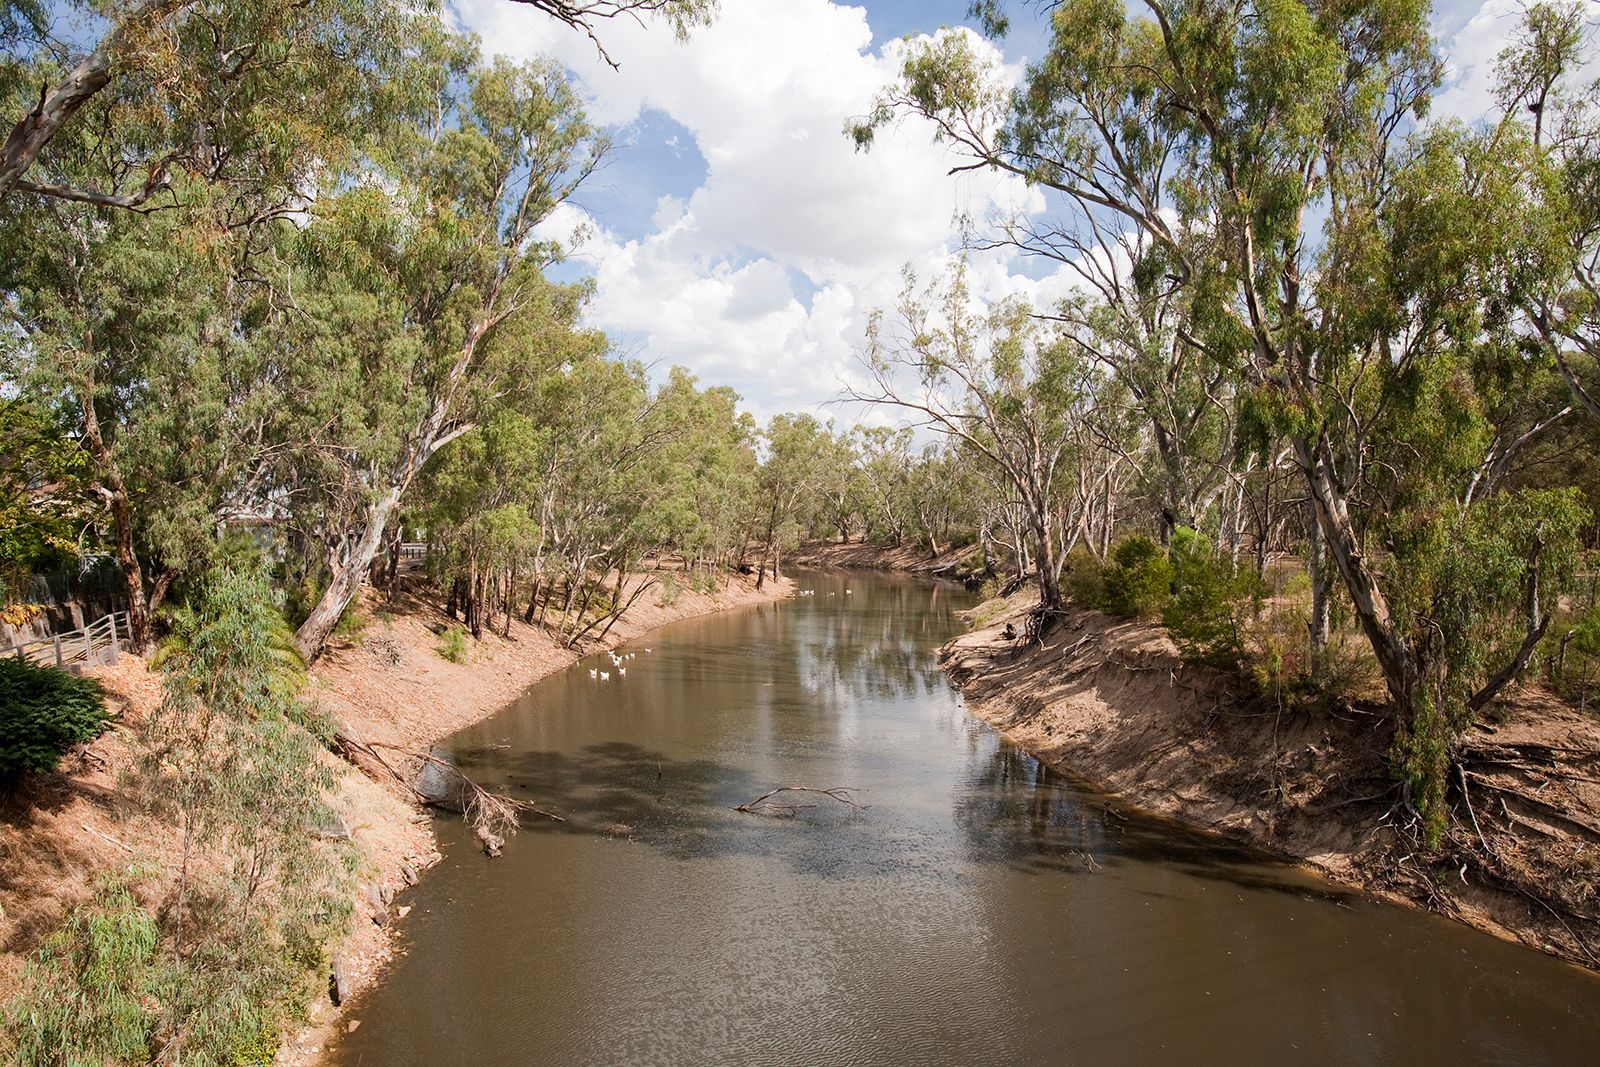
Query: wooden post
116,648
58,651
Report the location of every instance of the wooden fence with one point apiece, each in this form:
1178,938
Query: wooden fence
99,642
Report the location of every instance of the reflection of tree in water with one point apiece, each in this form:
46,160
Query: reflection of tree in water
1015,810
881,648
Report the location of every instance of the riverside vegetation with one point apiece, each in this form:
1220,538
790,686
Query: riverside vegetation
1324,404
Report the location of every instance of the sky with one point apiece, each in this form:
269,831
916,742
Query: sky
734,229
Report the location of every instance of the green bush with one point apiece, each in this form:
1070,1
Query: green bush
1083,578
1138,580
1205,612
82,997
44,712
453,645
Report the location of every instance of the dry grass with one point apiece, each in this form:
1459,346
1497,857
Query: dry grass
60,832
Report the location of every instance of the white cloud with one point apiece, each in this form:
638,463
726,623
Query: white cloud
1471,53
765,92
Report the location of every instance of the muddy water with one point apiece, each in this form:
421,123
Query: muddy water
978,910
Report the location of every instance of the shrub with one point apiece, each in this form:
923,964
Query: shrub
352,623
82,997
1205,612
453,645
1083,579
44,712
223,756
1138,580
1576,656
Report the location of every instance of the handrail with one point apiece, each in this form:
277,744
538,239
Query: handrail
98,642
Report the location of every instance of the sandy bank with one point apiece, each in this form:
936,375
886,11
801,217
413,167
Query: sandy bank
958,564
61,832
1109,701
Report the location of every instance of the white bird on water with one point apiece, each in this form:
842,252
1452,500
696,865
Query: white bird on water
593,672
622,672
605,676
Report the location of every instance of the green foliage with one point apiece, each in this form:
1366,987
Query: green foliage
83,996
45,498
44,712
1462,581
1083,578
1138,580
1574,653
352,622
1210,601
453,645
226,756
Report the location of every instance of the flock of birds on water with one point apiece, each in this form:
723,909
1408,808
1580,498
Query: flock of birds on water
618,661
616,665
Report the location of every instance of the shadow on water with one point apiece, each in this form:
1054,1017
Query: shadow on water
1017,811
980,909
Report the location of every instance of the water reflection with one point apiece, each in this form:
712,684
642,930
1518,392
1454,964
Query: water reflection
980,909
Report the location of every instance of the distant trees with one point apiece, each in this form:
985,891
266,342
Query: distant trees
1282,265
1006,385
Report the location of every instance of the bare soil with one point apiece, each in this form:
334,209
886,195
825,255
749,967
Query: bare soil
60,833
959,564
1110,702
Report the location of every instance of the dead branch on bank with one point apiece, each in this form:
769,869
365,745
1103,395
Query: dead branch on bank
762,805
492,816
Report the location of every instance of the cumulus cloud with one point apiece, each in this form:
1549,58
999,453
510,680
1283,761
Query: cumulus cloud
762,277
765,92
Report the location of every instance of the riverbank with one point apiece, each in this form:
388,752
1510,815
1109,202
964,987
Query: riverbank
962,564
388,684
1109,701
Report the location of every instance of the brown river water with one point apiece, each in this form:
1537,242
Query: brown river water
979,909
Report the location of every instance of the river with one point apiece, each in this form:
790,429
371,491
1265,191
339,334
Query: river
976,909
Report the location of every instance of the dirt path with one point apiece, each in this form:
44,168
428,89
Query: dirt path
1109,701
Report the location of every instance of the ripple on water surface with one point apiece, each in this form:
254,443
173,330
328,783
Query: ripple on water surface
978,910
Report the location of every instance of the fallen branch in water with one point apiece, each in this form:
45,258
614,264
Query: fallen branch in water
762,804
492,816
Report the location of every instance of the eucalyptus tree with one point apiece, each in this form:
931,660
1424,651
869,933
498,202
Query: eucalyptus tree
475,502
191,72
885,459
433,300
1006,384
184,84
138,325
790,478
1357,279
121,329
1553,117
842,487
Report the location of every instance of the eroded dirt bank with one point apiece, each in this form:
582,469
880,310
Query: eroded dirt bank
957,564
1110,702
61,832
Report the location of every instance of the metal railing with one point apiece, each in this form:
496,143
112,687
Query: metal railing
97,643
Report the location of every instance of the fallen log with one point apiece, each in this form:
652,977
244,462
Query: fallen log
492,816
762,805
